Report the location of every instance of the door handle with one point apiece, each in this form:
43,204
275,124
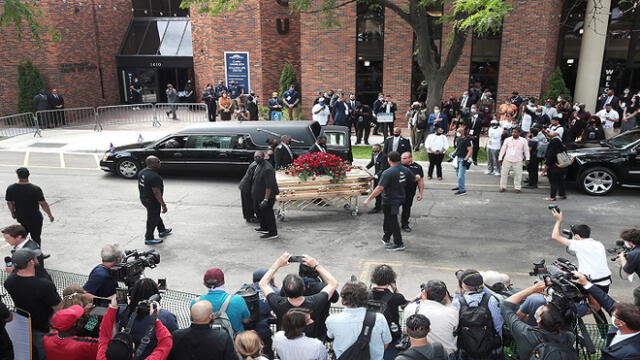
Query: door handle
224,155
177,154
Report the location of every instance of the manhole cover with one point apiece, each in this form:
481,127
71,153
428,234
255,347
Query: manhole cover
48,145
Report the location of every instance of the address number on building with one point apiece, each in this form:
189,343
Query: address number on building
155,64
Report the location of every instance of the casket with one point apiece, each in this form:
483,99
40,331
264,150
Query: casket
355,183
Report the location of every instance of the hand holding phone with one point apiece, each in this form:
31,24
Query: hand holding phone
296,258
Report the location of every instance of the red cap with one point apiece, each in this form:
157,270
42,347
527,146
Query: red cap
214,274
65,319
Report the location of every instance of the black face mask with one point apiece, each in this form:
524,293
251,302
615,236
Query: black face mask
259,160
396,135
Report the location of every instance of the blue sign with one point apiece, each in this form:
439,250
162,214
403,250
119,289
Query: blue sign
236,68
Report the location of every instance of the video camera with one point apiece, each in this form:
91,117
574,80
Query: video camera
144,306
132,266
619,249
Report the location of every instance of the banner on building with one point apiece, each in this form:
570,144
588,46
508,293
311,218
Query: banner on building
236,68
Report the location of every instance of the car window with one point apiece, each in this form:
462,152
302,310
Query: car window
175,142
213,142
336,138
624,139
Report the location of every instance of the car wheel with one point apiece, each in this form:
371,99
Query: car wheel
127,168
597,181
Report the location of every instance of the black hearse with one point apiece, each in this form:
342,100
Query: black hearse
223,146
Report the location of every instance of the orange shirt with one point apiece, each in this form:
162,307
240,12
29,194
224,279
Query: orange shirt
224,102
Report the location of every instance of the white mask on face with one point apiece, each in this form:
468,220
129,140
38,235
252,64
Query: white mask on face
576,107
559,99
437,111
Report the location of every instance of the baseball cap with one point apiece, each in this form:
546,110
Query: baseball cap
470,277
320,99
21,257
65,319
258,274
494,121
214,275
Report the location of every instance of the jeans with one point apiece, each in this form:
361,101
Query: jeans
435,160
390,225
406,209
556,180
153,219
462,171
516,166
33,227
266,216
38,345
492,160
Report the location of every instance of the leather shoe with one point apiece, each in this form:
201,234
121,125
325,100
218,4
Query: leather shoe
374,211
501,190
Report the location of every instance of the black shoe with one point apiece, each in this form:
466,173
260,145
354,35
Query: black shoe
455,189
252,221
460,193
261,230
153,241
406,228
396,248
165,233
375,211
269,236
475,162
530,186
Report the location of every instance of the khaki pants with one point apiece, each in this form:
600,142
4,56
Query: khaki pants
517,174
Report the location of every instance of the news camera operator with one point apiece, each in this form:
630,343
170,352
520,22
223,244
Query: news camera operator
623,338
100,282
136,316
630,261
532,341
122,346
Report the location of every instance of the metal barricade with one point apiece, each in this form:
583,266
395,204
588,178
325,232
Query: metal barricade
124,114
66,118
182,112
18,124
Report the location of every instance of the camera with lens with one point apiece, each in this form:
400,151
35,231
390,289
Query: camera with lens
618,249
133,265
559,280
144,306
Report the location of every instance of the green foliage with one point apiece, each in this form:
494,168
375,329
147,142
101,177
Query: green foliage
23,16
288,77
557,86
29,82
481,16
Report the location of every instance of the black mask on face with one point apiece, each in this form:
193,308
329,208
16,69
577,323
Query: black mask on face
396,135
259,160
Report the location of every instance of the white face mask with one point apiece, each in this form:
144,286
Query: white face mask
436,112
576,108
458,134
473,111
559,99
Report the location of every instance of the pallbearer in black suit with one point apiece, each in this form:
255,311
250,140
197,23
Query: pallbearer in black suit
248,211
57,103
264,189
284,155
319,146
397,143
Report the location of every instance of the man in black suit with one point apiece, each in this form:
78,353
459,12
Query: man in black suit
474,123
57,103
41,103
352,117
264,189
16,236
388,107
284,155
379,163
610,98
363,122
319,146
397,142
248,211
376,108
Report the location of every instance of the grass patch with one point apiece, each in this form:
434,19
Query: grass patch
364,152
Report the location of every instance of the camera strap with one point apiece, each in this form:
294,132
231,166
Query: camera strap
146,339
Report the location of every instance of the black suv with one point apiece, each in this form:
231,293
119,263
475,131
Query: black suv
597,171
223,146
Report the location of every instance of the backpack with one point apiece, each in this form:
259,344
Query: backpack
221,318
564,160
553,351
381,306
476,333
252,299
359,350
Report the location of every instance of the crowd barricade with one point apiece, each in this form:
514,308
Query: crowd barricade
18,124
181,112
125,114
66,118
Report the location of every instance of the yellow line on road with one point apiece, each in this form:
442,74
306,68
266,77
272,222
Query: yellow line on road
25,163
51,167
62,164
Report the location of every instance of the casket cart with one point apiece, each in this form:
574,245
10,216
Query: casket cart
296,194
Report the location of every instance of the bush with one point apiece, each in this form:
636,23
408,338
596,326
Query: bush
288,78
29,82
556,87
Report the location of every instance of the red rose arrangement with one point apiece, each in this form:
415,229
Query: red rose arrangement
311,165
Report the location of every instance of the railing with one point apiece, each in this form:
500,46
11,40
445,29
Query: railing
102,117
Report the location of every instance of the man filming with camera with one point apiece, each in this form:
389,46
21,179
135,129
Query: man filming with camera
100,282
630,261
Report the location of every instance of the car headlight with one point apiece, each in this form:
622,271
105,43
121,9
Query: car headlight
106,156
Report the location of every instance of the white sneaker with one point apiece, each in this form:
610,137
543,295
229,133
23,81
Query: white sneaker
487,172
496,174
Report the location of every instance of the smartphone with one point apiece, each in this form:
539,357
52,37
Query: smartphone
296,258
162,284
101,302
121,296
554,207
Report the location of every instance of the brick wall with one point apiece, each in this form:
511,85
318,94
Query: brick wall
89,44
327,55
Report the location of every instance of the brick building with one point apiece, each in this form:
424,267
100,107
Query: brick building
105,43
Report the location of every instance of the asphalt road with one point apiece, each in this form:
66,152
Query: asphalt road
485,230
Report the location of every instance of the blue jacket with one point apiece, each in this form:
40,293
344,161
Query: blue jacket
628,349
443,124
340,114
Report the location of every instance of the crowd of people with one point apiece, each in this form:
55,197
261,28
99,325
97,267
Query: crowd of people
483,316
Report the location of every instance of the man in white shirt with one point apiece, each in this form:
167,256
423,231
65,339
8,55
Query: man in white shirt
512,155
549,110
494,142
435,303
609,117
555,130
320,112
436,145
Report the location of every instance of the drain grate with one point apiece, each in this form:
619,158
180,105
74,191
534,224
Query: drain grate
47,145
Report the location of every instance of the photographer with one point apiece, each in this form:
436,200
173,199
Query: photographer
66,340
591,254
547,337
313,285
100,282
418,328
464,152
121,346
630,261
623,339
137,312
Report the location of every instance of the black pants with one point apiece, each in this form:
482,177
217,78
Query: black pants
532,169
362,132
406,209
476,148
378,205
556,180
153,220
266,216
435,160
387,128
247,205
390,225
33,227
212,108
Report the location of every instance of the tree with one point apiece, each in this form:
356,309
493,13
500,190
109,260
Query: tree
288,78
23,16
557,86
462,17
29,83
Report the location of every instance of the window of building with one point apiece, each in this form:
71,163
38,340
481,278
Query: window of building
158,37
158,8
369,52
485,63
